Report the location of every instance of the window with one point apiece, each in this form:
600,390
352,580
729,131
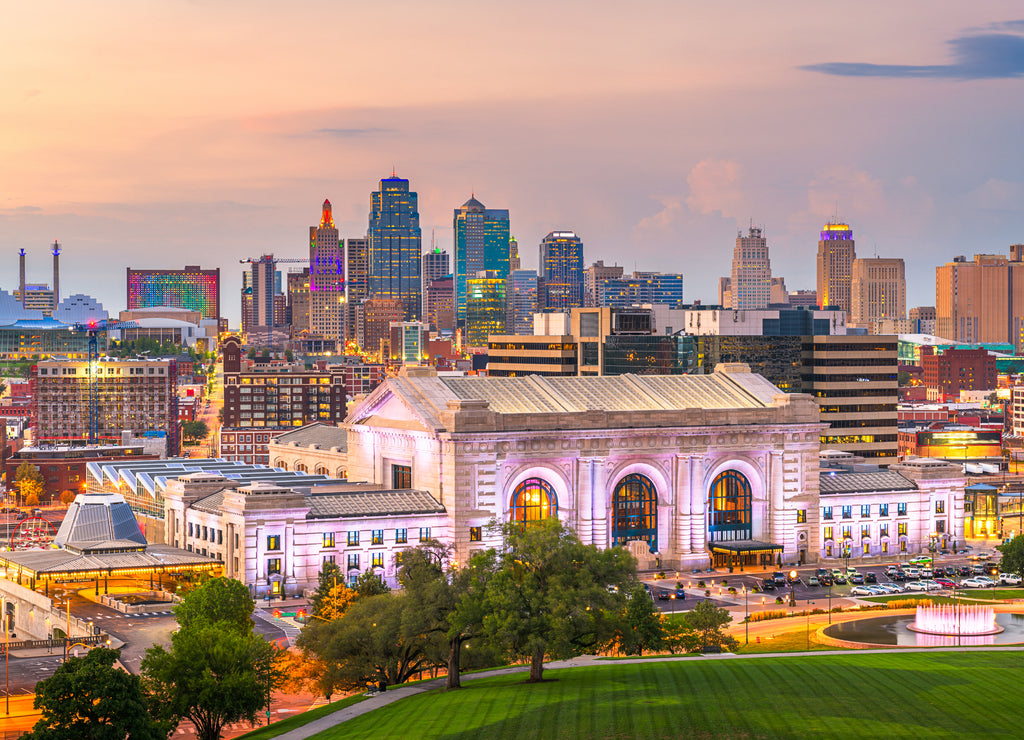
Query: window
190,529
826,513
424,534
801,516
377,537
398,557
847,512
828,551
883,530
220,536
352,538
865,511
731,516
401,476
883,510
273,542
901,509
475,534
885,547
903,545
273,566
353,560
865,532
867,548
328,539
401,536
901,529
940,507
847,532
534,499
828,533
378,560
328,559
940,526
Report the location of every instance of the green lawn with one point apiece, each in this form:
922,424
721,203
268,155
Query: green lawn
279,728
788,642
976,596
891,695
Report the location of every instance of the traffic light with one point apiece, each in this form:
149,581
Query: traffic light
277,614
301,615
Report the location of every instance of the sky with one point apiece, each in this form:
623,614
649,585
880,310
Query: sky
159,134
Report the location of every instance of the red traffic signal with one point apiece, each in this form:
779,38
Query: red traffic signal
277,614
301,614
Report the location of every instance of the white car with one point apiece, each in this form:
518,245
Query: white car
973,583
1009,579
915,586
989,583
931,586
891,588
864,591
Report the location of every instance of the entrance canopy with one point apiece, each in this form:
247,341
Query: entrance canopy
745,547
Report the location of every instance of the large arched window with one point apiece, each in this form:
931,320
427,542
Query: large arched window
730,516
635,512
534,499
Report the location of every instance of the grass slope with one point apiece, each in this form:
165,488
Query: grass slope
893,695
290,723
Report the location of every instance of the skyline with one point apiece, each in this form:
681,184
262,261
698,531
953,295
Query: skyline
647,135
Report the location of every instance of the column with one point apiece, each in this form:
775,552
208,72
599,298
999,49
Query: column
698,525
600,498
682,476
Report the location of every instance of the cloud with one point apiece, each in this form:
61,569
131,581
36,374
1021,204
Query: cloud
347,133
997,195
979,56
714,186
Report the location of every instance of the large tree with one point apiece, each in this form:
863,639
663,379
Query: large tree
217,600
641,626
89,698
549,595
1013,556
30,483
195,430
707,620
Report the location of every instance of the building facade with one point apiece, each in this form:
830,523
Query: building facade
958,370
481,239
561,266
326,278
836,253
523,301
486,306
357,282
751,279
394,245
594,275
878,290
982,300
440,300
192,287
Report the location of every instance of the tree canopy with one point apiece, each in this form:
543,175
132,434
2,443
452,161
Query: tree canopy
223,600
707,620
88,698
1013,556
197,429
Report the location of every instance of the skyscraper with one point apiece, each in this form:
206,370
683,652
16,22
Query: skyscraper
656,288
435,265
513,255
836,254
486,306
357,284
326,278
481,243
561,265
193,288
522,301
981,300
263,280
751,281
878,290
394,245
594,275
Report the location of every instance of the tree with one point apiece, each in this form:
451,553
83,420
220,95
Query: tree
251,354
641,625
289,355
707,620
374,642
29,482
218,600
89,698
194,430
1013,556
212,675
369,584
549,595
327,578
67,496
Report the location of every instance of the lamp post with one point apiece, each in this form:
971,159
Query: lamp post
746,617
809,603
792,588
830,601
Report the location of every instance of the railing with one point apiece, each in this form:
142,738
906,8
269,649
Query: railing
56,642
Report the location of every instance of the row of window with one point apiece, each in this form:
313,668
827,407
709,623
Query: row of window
207,534
865,511
828,533
352,538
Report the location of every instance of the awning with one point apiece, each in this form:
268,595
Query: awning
744,547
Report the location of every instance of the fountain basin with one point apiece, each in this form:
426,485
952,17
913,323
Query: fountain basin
959,619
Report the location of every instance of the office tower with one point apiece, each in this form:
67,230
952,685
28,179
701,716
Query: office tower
298,301
407,343
836,254
193,288
596,274
751,280
481,238
878,290
373,320
522,301
394,249
779,294
514,262
982,300
922,320
656,288
440,295
435,265
247,301
262,281
486,306
357,283
326,278
561,266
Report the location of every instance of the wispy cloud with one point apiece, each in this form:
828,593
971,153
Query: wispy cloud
979,56
346,133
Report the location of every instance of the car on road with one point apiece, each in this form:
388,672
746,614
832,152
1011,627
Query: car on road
865,591
870,578
779,577
945,582
857,578
915,586
973,583
1009,579
922,560
813,581
891,588
768,584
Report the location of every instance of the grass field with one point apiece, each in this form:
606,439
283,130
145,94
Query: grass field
892,695
279,728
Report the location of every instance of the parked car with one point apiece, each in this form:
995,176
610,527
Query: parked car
915,586
963,570
794,578
840,580
945,583
870,578
825,580
921,560
973,583
930,585
899,576
821,572
857,578
813,581
891,569
927,573
891,588
989,582
1009,579
768,584
863,591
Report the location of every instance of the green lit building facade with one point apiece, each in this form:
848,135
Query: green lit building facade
486,307
481,238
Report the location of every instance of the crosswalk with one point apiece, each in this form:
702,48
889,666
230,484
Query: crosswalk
289,626
98,617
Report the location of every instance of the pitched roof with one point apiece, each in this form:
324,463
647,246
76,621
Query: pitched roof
837,481
371,503
317,433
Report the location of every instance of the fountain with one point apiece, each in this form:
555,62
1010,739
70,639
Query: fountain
956,620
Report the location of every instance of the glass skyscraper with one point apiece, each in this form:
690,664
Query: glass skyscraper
481,243
561,266
522,301
485,307
660,288
394,249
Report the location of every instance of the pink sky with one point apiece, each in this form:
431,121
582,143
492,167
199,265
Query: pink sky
162,134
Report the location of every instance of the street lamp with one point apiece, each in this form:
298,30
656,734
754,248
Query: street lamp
830,601
746,617
809,603
792,588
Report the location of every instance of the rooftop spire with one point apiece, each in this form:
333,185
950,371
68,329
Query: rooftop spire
326,219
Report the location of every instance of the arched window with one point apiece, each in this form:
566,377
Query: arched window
730,515
534,499
635,512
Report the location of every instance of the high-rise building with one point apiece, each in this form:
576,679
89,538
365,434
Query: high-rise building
522,301
435,265
408,342
878,290
922,319
486,306
373,320
594,275
481,243
656,288
514,262
193,288
441,304
298,301
836,254
357,283
751,281
263,281
982,300
326,278
561,266
394,249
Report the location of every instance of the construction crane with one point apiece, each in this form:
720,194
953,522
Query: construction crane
93,327
269,258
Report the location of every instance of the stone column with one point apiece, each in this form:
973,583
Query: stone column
681,482
601,499
698,525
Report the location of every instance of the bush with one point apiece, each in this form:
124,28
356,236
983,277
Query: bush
659,576
724,583
700,584
732,589
707,593
778,599
768,614
909,603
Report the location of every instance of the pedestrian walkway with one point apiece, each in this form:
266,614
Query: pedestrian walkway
392,695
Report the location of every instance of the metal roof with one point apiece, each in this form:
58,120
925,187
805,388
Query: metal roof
371,503
837,481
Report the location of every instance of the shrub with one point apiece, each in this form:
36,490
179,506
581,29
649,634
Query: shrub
724,583
768,614
700,584
707,592
732,589
909,603
778,599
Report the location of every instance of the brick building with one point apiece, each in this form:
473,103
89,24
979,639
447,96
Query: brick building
958,370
